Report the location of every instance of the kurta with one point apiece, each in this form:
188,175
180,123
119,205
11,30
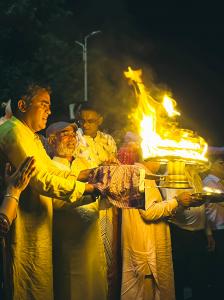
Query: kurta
95,151
92,152
147,248
79,259
31,234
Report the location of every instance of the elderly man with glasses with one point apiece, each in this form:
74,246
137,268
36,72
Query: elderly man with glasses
79,259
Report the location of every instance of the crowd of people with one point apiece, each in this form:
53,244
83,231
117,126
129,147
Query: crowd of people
63,238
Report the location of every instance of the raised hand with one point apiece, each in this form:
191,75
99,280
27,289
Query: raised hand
19,180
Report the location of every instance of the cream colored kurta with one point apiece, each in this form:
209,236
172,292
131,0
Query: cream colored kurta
79,259
31,247
147,248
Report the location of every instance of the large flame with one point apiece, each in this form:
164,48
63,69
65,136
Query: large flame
158,127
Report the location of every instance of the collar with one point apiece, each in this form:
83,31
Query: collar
23,126
88,137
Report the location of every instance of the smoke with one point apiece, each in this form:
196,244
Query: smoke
109,90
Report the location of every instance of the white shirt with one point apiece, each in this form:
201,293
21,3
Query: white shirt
214,211
192,218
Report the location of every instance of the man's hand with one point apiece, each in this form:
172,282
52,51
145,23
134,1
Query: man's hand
186,199
84,175
19,180
89,188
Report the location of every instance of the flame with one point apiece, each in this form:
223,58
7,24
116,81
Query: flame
158,128
169,105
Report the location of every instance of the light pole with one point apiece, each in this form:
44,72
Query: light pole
84,53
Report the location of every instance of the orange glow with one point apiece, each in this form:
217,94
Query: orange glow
158,128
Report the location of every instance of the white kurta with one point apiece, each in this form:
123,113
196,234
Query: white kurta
147,248
79,259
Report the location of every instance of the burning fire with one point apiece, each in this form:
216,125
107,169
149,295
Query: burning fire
161,137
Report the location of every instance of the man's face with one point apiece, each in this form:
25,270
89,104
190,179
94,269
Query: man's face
37,111
65,142
90,122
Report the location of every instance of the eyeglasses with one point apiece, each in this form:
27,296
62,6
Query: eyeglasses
90,121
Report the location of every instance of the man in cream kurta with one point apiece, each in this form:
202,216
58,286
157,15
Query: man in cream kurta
79,259
147,256
31,246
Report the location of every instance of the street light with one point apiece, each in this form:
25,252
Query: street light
84,53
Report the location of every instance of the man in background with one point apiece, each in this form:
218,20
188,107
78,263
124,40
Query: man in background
215,217
98,148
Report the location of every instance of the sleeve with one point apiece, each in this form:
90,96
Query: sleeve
208,207
211,207
159,210
156,208
48,180
55,186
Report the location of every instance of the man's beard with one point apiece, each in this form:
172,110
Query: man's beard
64,150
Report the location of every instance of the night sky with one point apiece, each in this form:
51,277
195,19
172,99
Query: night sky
183,44
180,45
188,57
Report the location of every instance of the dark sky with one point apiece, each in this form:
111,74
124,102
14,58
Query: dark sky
188,56
183,43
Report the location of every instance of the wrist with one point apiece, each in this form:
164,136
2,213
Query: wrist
12,191
89,188
179,202
12,197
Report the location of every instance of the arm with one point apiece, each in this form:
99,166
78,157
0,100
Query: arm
214,210
48,180
158,209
